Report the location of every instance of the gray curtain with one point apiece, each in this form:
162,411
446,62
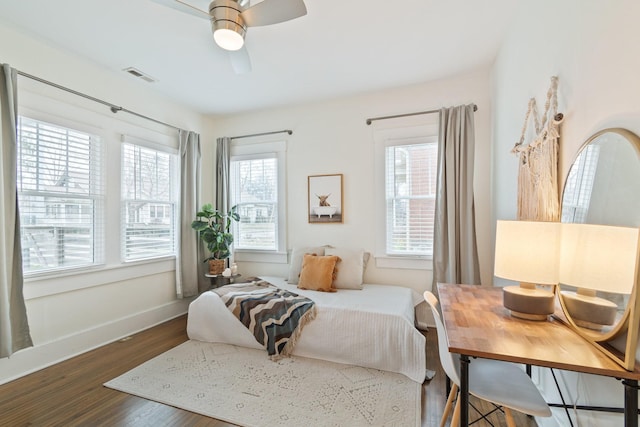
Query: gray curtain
190,269
455,252
223,161
14,327
223,164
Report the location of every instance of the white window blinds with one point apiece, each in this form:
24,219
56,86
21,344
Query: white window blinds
254,189
61,196
149,181
410,182
579,185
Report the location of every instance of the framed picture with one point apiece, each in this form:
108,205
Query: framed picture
325,200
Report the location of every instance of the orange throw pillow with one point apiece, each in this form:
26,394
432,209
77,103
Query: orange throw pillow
318,272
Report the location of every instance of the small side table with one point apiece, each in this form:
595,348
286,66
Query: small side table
218,280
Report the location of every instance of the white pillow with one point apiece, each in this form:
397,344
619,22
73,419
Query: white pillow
296,261
350,267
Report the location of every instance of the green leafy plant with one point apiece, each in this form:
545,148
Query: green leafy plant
214,228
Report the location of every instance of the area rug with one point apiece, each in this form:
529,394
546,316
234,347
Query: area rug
242,386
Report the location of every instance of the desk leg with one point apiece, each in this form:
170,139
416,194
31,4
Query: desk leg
464,391
630,403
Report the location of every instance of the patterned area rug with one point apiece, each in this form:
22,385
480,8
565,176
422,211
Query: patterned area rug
242,386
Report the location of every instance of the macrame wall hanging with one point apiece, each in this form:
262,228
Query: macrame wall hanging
538,198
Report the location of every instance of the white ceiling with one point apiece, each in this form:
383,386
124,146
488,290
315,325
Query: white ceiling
340,47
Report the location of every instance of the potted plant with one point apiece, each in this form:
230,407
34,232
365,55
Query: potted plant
214,228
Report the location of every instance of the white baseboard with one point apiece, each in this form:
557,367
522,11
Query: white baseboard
38,357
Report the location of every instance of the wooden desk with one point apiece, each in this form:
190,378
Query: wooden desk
478,325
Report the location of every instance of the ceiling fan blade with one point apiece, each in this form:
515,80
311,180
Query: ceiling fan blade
184,7
269,12
240,60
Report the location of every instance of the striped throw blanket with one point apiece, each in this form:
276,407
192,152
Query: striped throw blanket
275,316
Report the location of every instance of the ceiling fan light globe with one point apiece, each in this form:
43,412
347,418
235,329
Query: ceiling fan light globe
228,39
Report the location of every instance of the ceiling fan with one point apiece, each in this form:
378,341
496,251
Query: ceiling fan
231,18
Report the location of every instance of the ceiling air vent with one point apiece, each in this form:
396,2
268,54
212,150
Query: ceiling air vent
137,73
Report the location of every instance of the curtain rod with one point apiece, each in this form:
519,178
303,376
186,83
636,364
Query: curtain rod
263,133
114,108
475,108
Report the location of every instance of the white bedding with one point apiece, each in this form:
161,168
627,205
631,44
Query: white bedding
373,327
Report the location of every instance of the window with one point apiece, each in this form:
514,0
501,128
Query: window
69,195
255,193
410,188
579,185
60,196
406,163
149,180
257,189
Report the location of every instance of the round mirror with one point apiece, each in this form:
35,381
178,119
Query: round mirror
602,187
603,184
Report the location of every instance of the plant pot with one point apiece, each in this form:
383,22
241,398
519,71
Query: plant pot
216,266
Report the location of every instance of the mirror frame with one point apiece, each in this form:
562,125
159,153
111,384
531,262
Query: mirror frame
629,323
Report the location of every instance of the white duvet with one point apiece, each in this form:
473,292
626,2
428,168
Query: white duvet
373,327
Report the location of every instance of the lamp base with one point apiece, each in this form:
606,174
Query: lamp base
589,311
528,316
528,302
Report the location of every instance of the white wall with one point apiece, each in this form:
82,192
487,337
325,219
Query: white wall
592,47
332,137
114,301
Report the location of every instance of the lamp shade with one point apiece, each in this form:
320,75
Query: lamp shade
528,251
599,257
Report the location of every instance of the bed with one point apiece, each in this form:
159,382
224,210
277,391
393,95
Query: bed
371,327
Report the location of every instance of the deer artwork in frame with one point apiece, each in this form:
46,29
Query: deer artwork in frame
325,199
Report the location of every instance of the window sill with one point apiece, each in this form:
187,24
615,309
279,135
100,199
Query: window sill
410,263
46,284
260,256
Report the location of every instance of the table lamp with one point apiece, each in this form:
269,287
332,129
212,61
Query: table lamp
596,258
528,252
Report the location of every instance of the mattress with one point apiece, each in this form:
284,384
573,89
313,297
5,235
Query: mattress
372,327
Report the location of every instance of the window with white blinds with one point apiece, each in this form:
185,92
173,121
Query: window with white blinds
60,196
254,190
579,185
410,183
149,194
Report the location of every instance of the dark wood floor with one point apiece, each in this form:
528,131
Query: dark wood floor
71,393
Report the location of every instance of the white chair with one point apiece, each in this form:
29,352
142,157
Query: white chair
501,383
